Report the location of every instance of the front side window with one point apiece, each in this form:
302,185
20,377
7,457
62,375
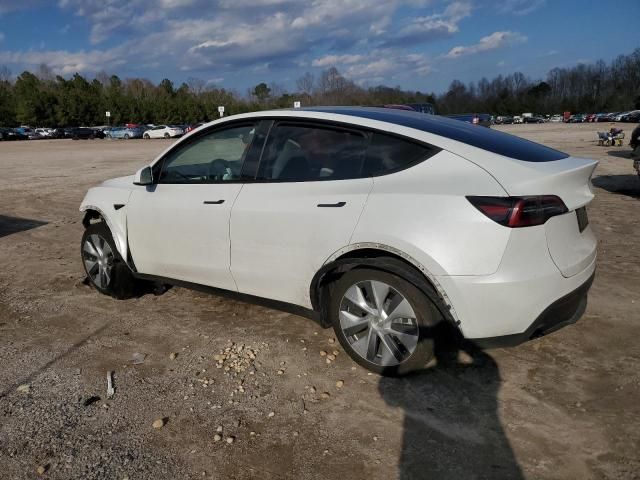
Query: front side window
299,153
214,157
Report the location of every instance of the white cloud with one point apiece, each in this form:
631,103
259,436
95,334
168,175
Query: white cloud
491,42
520,7
385,64
426,28
63,62
336,60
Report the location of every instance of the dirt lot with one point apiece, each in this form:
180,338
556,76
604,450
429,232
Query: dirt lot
564,406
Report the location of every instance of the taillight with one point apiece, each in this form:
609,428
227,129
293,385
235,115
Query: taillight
517,212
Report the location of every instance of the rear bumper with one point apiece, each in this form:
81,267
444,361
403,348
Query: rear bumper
515,300
564,311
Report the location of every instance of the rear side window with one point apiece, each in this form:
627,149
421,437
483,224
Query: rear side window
387,154
299,153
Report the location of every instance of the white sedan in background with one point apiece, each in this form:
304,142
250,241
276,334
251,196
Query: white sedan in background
381,223
164,131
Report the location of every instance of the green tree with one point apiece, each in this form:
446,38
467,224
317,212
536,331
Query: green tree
262,91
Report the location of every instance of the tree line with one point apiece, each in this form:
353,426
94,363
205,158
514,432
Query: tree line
44,99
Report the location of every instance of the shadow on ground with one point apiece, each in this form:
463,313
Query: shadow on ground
451,423
9,225
622,153
628,185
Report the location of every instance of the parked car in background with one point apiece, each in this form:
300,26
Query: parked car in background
482,119
577,118
125,132
533,119
8,134
557,118
45,132
163,131
57,133
603,117
618,116
24,130
631,117
193,126
517,119
423,108
352,213
98,132
83,133
590,117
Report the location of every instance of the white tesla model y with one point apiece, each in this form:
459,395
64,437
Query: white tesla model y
381,223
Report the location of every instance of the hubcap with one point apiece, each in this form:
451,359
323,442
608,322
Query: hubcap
98,260
379,323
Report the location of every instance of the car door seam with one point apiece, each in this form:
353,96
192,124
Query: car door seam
364,205
233,204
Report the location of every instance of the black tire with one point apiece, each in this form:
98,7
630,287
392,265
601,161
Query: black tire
126,136
122,284
167,136
146,136
428,317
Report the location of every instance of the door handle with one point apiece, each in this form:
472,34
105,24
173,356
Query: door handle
213,202
334,205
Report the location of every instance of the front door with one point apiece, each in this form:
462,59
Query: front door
179,227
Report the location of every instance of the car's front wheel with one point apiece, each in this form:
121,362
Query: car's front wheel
167,136
384,322
146,136
105,269
126,136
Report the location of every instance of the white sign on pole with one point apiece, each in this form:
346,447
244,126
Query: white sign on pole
296,104
221,111
108,114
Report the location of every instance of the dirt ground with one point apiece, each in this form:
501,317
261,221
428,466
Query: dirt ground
562,407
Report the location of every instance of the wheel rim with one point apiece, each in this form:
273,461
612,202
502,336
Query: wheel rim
98,260
379,323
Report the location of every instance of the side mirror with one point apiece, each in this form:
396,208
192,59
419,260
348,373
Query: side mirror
144,176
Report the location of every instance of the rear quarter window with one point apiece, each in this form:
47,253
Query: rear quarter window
388,154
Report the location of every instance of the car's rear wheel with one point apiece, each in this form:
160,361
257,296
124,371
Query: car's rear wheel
105,269
146,136
167,136
126,136
384,322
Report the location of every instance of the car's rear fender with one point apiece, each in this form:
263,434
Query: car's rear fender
423,211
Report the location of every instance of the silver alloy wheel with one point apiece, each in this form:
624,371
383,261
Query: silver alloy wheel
98,260
379,323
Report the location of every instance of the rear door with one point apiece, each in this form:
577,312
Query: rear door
303,207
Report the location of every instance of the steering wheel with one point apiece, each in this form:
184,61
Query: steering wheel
217,169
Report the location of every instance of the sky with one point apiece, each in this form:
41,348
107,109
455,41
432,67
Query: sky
236,44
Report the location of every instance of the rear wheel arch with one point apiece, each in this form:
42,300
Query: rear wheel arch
383,258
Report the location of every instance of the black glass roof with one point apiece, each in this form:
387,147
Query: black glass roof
475,135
